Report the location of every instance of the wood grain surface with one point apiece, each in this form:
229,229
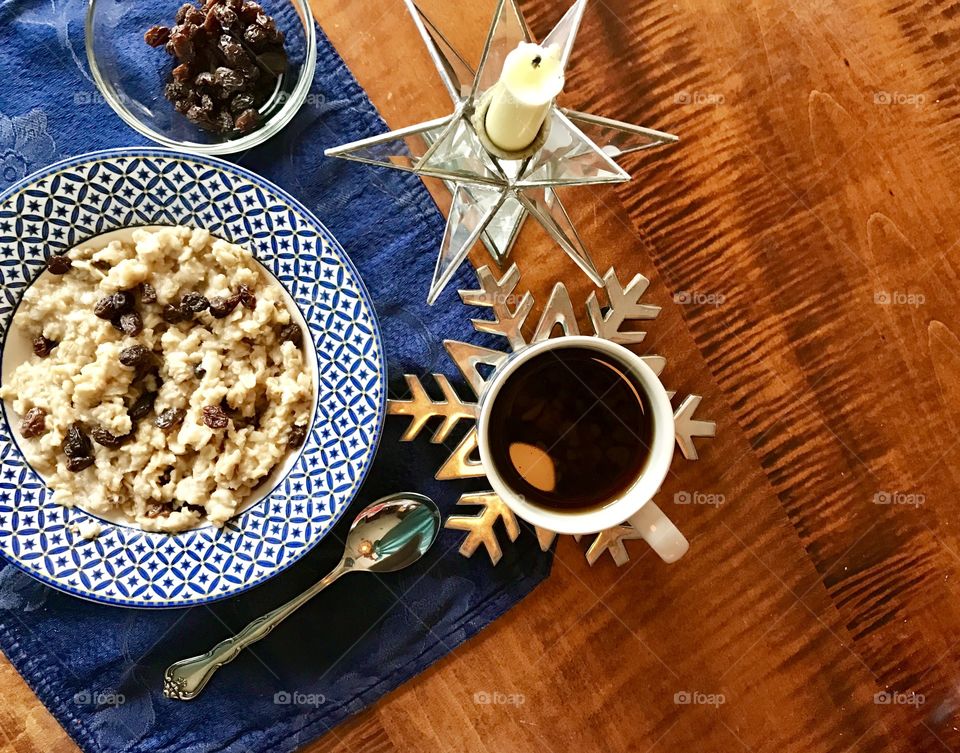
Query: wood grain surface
803,241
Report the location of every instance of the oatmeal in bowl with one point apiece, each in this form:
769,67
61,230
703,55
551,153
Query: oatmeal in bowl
170,378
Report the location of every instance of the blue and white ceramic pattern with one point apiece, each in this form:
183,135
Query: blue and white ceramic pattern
86,196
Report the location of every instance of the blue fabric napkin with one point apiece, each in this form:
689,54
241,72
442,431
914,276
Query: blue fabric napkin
99,668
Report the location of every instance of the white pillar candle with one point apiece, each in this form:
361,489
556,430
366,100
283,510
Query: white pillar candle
531,79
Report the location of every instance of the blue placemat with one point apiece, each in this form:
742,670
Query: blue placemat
99,668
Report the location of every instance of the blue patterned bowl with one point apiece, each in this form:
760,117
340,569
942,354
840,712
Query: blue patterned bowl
87,196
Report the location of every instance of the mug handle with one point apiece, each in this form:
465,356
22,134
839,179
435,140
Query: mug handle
659,532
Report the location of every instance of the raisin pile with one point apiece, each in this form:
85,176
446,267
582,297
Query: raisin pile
229,56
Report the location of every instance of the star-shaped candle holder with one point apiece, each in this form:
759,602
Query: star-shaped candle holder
494,191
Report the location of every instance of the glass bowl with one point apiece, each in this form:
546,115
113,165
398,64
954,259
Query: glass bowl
131,75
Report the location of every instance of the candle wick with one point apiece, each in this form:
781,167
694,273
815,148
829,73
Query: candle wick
537,60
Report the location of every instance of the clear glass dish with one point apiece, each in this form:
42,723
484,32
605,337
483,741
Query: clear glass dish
131,75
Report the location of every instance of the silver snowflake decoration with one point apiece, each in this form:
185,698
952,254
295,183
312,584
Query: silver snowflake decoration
493,194
614,318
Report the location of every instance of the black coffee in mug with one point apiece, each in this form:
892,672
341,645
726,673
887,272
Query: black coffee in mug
570,429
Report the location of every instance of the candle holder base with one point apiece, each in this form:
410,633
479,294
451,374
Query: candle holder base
494,191
479,122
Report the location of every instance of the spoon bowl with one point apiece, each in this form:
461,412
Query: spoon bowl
392,533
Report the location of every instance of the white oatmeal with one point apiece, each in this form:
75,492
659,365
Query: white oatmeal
246,369
88,530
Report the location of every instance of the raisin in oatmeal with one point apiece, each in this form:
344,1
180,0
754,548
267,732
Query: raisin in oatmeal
168,378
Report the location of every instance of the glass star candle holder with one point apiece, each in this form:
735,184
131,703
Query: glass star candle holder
494,191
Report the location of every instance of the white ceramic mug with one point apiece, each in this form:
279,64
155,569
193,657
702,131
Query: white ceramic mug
635,505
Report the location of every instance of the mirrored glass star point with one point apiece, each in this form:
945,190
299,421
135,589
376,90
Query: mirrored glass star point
493,196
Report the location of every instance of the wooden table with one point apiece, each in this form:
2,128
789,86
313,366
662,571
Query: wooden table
808,213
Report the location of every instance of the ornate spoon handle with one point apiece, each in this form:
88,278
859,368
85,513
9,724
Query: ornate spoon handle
184,680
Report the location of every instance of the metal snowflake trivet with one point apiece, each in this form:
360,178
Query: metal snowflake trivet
493,192
608,320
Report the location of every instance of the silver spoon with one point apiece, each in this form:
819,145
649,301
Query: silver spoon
389,535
